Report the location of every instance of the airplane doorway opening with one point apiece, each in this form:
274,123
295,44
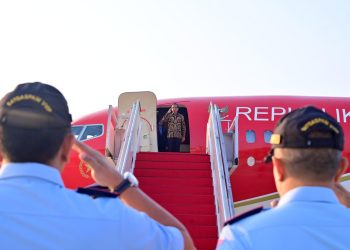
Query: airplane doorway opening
162,130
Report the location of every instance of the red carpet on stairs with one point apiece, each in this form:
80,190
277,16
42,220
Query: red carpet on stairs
182,184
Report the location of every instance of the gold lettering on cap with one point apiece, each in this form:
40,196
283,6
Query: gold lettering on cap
318,120
334,128
29,97
25,97
46,106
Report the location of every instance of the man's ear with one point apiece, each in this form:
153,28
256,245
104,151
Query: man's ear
279,169
66,147
343,165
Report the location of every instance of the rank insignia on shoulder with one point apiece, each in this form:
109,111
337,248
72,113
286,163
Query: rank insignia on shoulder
97,191
244,215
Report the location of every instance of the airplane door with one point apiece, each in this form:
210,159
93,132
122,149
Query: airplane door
231,144
148,115
235,143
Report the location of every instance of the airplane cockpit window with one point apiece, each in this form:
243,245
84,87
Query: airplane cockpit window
92,131
76,131
250,136
267,136
86,132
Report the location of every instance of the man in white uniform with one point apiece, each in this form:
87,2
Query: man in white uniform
307,162
38,212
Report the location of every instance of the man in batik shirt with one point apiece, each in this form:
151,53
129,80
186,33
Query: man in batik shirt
176,128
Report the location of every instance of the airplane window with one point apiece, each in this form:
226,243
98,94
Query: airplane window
76,130
92,131
250,136
267,136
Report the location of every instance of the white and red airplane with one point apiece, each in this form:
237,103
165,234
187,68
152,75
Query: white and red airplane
248,121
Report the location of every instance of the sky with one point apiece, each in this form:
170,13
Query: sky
94,50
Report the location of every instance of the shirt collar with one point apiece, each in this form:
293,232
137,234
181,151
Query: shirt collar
309,194
31,169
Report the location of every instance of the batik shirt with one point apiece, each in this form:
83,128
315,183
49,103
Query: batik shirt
176,125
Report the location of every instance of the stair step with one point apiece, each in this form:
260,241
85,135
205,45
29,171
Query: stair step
184,173
206,243
203,231
167,181
185,209
182,198
157,189
171,165
167,156
198,220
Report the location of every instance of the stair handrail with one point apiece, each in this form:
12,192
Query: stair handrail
219,167
233,128
131,141
111,126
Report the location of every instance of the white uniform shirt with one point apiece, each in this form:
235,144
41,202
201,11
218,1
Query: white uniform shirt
305,218
38,212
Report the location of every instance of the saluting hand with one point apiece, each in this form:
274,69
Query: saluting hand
102,170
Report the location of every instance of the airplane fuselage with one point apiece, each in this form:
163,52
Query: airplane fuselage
252,181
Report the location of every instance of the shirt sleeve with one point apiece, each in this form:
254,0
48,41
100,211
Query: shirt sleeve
164,119
142,232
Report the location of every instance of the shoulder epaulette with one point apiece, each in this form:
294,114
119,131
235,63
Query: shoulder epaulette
97,191
244,215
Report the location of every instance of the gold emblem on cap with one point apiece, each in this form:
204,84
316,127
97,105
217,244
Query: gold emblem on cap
275,139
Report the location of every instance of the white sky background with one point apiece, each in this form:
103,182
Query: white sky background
93,50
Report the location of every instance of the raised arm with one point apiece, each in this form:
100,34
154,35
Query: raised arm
165,117
103,172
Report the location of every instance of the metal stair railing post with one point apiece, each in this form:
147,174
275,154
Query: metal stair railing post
111,124
221,181
225,167
131,141
233,128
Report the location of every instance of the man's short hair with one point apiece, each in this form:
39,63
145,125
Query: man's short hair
34,119
315,164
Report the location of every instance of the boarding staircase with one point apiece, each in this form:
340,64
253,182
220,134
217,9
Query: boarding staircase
182,183
193,187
